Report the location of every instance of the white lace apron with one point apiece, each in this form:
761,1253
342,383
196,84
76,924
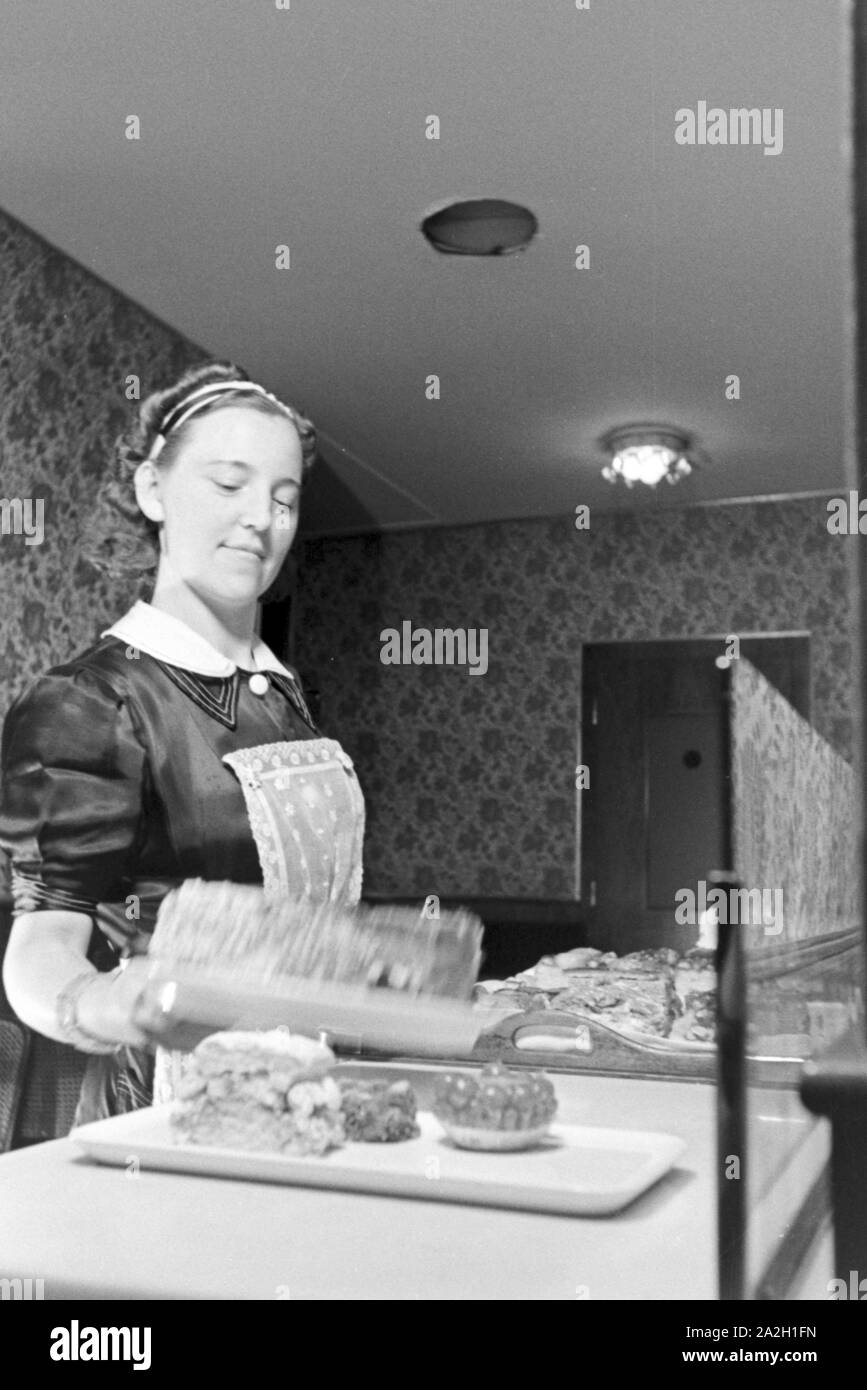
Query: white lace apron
306,814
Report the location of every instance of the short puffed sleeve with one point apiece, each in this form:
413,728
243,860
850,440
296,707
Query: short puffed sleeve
70,792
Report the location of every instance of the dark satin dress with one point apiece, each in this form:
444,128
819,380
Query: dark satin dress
114,791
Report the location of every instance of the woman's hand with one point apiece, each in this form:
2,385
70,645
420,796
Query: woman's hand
107,1006
46,952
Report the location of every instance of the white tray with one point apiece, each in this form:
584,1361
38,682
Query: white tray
577,1171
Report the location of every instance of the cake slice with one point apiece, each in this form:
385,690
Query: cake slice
501,996
265,1092
640,998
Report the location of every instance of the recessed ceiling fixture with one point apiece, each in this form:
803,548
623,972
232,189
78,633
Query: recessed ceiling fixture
646,454
480,227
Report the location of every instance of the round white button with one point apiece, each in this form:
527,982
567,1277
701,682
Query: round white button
259,684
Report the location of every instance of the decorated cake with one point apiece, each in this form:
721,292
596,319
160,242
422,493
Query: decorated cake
495,1108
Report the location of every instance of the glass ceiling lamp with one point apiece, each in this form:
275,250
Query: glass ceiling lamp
480,227
646,454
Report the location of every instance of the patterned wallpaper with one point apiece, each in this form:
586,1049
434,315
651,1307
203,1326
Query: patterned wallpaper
67,343
470,779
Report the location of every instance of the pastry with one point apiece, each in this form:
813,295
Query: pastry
652,961
495,1108
695,989
378,1112
545,977
641,1000
264,1091
514,998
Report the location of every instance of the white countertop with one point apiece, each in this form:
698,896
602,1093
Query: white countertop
96,1232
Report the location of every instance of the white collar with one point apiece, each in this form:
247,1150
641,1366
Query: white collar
166,638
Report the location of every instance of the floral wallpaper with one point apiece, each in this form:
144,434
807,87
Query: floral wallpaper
794,800
67,343
470,779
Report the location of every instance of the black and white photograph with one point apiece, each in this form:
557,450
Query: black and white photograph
433,667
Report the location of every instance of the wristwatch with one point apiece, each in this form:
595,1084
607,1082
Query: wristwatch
67,1017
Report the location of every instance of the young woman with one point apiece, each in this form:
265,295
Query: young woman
178,746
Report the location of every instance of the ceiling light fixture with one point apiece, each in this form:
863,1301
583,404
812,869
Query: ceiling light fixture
646,454
480,227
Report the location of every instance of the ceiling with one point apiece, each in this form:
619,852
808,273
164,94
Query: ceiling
306,127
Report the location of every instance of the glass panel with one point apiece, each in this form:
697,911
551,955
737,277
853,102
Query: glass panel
797,913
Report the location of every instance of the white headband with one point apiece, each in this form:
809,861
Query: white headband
198,399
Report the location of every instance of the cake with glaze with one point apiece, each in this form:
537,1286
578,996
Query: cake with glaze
495,1108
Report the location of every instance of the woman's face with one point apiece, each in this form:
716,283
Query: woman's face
229,503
